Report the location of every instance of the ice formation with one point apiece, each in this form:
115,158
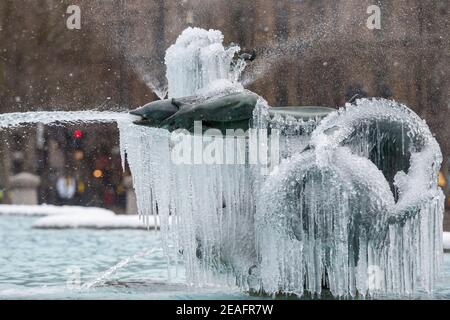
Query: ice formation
198,63
354,206
331,215
211,206
360,212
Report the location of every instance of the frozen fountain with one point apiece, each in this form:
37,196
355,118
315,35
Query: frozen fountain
353,206
347,201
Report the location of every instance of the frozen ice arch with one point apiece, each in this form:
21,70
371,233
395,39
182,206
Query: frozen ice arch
360,211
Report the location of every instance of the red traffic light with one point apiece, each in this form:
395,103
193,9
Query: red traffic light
78,134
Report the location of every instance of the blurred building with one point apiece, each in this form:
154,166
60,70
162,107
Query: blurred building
308,53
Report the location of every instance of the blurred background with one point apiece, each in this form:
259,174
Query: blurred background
309,52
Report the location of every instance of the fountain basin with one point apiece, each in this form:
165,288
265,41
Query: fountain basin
37,265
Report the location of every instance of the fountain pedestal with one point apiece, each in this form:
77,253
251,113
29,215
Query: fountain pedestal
24,188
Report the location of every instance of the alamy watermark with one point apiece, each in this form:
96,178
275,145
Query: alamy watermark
234,147
374,20
74,19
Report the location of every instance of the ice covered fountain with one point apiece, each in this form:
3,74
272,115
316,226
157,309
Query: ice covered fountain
345,201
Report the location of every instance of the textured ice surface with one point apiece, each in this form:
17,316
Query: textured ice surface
360,212
212,206
295,133
199,64
357,212
315,221
353,207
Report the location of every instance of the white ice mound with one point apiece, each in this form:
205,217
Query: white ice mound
51,210
199,64
360,212
86,220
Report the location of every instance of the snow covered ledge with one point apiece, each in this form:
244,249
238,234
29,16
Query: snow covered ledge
446,241
67,217
92,221
49,210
